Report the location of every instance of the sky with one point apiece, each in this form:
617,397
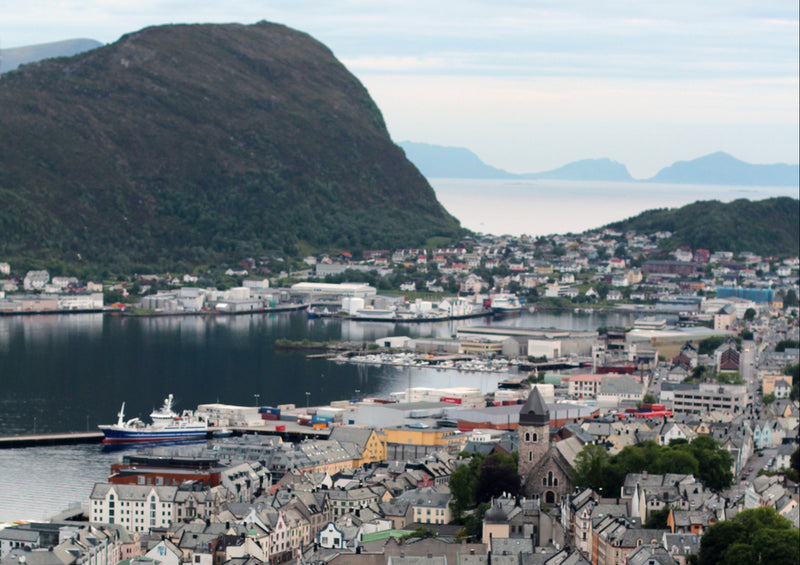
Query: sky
528,85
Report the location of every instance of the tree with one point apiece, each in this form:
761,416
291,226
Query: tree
658,519
480,480
749,314
768,398
790,299
648,399
785,344
498,475
760,535
589,468
714,463
462,486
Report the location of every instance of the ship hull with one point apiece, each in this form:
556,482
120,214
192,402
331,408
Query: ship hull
114,434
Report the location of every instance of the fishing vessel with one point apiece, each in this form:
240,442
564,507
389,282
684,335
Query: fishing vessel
167,426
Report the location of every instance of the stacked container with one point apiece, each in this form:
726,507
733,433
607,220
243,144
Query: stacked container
269,413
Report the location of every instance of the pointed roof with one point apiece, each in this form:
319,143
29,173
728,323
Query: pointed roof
534,412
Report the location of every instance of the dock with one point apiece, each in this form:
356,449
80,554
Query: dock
291,432
37,440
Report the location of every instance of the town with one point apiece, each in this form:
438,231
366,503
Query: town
622,445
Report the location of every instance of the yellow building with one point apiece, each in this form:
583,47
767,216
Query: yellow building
370,446
768,382
406,441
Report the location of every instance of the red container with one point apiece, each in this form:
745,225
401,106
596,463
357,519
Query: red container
281,428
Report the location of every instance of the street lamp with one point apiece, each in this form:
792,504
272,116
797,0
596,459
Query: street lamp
357,393
308,394
257,396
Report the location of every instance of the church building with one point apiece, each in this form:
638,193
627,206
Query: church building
543,471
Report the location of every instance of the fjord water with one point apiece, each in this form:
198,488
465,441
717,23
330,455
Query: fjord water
70,372
543,207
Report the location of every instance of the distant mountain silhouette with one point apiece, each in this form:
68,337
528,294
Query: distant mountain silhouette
12,58
437,161
721,168
587,169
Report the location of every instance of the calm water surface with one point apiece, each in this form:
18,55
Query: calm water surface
72,372
542,207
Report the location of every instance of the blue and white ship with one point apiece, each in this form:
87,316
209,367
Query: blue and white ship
167,426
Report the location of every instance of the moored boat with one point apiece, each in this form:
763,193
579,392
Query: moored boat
167,426
505,304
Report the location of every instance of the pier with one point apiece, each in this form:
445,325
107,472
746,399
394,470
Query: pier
292,432
37,440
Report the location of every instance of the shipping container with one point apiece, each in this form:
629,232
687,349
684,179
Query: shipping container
287,417
320,426
321,420
281,428
450,400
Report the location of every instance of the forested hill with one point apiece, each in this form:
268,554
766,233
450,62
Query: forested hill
766,227
201,143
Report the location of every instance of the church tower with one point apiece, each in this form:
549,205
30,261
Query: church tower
533,432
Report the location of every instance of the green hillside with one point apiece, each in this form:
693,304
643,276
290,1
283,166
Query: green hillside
201,143
765,227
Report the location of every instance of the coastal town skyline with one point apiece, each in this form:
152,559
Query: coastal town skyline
528,88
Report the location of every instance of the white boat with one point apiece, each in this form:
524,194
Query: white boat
505,304
167,426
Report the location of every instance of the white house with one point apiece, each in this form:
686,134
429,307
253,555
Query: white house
36,280
330,537
137,507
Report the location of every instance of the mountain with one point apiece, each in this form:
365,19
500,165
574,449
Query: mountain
12,58
721,168
587,169
195,144
766,227
437,161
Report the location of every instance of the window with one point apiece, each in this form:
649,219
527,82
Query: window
527,436
535,437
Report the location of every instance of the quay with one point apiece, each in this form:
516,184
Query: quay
37,440
292,432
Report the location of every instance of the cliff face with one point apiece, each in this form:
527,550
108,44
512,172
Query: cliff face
201,143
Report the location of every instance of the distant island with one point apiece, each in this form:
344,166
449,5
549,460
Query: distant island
11,59
437,161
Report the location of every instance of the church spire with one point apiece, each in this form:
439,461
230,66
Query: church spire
534,412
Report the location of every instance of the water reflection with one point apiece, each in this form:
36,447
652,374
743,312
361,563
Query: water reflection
69,372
